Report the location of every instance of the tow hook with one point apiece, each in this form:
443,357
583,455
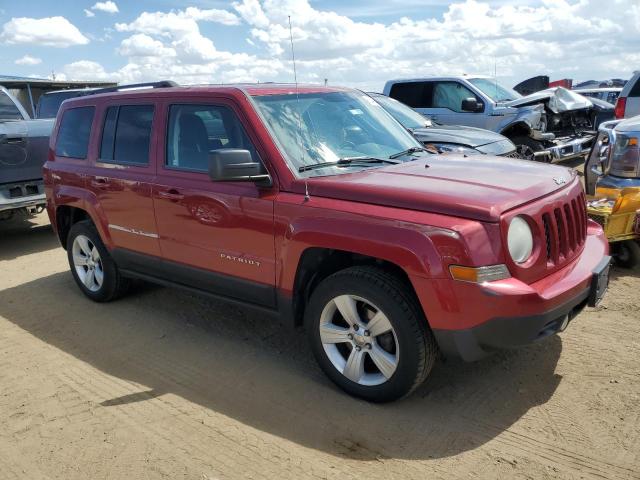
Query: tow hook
564,323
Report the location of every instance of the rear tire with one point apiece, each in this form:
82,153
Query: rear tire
627,253
93,269
381,348
526,147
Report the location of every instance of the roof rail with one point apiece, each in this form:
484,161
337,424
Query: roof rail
133,86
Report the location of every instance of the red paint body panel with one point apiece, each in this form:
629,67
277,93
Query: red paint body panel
453,305
452,185
422,219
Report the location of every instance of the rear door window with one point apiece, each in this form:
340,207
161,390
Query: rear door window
414,94
74,132
197,130
126,134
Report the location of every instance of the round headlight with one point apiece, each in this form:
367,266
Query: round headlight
520,240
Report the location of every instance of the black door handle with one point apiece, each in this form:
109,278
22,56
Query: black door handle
13,140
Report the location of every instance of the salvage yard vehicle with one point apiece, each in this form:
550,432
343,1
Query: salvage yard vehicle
447,138
314,205
612,176
618,211
607,94
23,150
628,103
552,125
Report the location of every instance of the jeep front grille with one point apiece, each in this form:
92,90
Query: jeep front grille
565,230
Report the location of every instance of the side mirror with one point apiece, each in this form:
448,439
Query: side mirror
472,105
236,165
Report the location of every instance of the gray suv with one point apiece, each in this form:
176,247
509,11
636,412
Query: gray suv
554,124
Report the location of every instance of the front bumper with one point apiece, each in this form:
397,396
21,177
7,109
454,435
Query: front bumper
22,195
470,321
503,333
576,148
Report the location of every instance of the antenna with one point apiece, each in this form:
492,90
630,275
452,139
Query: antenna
495,73
295,79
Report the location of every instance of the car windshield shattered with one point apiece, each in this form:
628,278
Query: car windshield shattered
328,133
494,90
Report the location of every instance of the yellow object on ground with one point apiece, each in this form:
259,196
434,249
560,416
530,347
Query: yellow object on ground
618,212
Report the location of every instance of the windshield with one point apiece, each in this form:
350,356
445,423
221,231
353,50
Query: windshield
407,116
314,128
49,104
494,90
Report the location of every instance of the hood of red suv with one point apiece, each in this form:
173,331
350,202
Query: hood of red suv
475,187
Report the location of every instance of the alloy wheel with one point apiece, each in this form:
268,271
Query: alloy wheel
359,340
87,263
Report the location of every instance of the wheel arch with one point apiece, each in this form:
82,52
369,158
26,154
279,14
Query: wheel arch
66,217
318,263
516,129
76,204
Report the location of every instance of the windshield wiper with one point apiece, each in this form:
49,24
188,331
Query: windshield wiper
345,162
408,151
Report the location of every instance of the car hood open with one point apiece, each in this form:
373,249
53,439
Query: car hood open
477,187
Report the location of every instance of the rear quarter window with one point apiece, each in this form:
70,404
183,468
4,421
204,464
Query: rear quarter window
635,90
74,132
126,134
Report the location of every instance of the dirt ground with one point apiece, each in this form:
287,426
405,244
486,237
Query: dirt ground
164,384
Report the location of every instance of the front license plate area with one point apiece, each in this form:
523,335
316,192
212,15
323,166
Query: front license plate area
599,282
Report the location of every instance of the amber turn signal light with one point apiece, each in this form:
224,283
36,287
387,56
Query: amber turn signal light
489,273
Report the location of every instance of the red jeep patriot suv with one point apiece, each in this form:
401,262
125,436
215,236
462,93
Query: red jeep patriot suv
314,204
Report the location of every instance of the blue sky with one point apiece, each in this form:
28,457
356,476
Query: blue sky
354,43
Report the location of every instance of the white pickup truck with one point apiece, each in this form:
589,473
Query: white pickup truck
24,143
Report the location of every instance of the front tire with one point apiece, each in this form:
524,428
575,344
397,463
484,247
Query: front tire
93,269
526,147
627,253
369,335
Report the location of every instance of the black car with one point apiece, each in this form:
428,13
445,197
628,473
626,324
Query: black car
447,138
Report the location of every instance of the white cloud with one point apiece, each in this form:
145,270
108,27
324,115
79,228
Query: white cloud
180,31
107,7
89,13
252,13
49,32
182,21
560,38
141,45
28,60
84,70
171,45
545,37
